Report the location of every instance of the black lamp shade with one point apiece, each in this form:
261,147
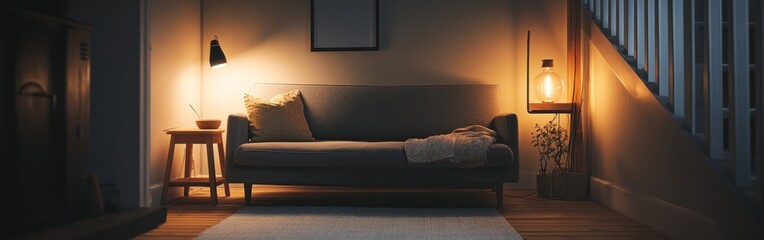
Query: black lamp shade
217,57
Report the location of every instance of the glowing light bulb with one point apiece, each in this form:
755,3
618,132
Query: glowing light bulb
548,86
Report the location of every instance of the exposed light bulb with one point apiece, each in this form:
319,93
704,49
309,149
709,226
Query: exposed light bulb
548,86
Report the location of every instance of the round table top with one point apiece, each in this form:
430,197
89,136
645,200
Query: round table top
193,131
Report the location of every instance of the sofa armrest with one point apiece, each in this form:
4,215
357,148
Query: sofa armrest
237,134
506,126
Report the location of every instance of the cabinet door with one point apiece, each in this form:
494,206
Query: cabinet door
45,107
39,76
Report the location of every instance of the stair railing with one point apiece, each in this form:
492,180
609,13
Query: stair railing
703,60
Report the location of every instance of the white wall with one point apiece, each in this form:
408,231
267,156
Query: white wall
646,166
175,73
421,42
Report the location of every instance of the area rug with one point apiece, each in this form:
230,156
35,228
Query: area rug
287,222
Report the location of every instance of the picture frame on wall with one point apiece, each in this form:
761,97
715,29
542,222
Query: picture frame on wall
344,25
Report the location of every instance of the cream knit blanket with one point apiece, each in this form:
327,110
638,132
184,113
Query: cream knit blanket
467,146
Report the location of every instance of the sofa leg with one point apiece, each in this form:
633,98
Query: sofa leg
499,195
247,194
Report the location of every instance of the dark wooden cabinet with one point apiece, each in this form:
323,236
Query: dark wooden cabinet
44,120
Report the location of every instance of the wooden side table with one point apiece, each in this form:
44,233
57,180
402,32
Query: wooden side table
191,136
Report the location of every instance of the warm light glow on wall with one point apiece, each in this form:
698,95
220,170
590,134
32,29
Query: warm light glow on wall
269,42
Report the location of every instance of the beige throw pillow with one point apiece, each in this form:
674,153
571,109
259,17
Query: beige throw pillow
280,119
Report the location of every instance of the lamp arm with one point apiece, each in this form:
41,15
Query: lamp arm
527,72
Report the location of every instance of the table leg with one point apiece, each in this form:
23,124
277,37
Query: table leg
189,162
168,171
213,182
221,158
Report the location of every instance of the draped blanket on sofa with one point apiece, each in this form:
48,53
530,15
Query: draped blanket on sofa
465,146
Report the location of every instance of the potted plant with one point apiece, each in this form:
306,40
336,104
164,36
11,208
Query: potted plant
551,141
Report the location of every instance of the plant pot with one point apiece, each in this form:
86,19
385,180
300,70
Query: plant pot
568,185
557,183
575,186
542,186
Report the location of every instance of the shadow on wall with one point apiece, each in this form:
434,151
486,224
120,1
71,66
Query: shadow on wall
271,65
265,24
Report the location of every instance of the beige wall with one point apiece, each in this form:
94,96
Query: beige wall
647,167
175,81
421,42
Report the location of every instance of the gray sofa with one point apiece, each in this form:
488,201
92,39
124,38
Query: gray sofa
360,133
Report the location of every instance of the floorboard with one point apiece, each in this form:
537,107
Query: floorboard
534,218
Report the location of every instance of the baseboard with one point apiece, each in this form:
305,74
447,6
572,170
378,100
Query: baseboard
525,181
156,193
670,219
175,192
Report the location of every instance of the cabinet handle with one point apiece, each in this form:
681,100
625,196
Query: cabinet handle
39,93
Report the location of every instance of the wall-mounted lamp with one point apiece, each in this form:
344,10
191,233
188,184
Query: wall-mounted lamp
548,87
217,57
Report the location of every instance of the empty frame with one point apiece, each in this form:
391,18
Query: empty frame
344,25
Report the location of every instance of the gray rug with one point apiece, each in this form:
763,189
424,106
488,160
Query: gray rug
282,222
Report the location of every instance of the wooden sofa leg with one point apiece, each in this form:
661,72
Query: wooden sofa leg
247,194
499,195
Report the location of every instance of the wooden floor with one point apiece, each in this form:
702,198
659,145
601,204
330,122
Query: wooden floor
533,218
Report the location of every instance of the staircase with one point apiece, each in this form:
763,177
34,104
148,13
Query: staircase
702,59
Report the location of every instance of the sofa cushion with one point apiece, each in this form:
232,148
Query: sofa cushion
345,154
279,119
